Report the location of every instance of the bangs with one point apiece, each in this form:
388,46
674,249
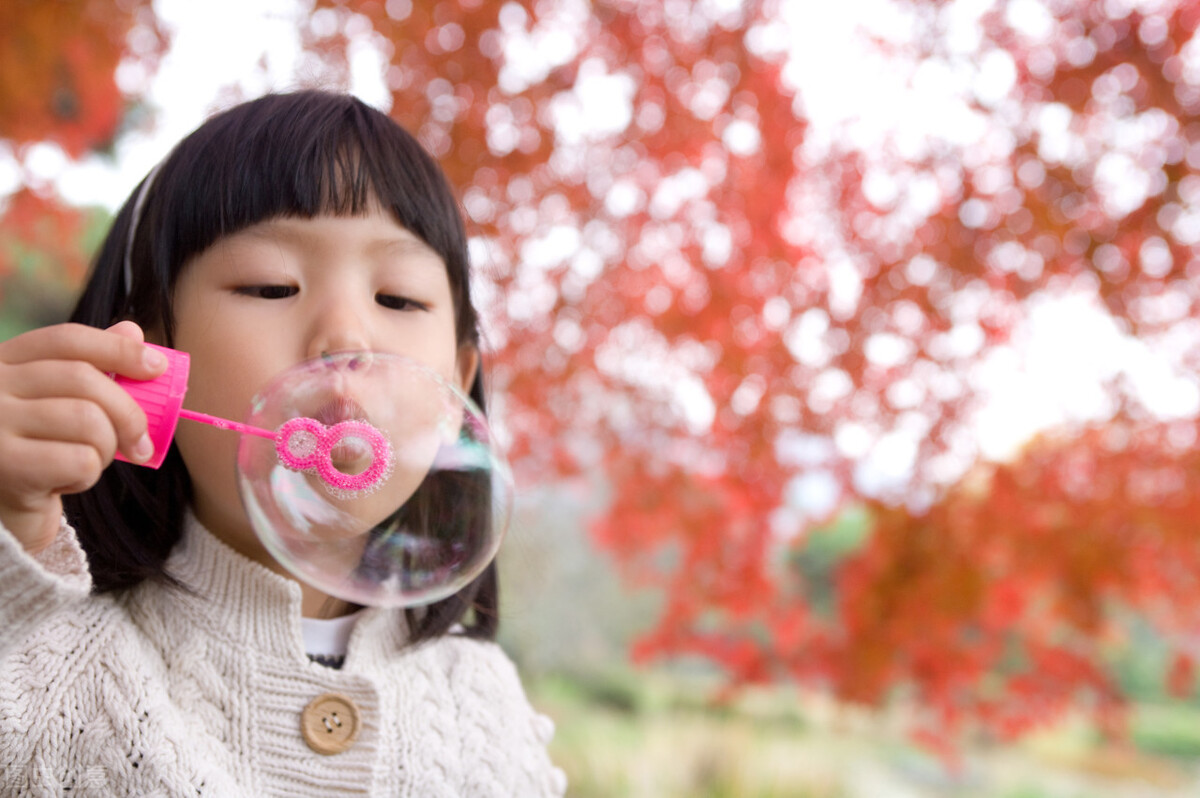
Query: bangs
298,155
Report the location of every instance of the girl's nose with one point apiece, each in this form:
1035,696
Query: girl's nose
339,326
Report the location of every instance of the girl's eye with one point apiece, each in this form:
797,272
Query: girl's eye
268,291
393,302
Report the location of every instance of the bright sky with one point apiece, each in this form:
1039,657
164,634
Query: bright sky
1050,374
214,45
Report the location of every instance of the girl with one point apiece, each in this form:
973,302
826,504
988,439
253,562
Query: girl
149,644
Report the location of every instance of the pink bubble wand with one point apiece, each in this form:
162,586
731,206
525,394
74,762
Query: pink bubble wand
301,444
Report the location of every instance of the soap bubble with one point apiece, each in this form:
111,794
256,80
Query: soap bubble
383,485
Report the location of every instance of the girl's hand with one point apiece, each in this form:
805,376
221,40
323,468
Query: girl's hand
62,418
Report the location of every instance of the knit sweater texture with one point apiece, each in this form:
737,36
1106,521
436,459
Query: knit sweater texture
162,692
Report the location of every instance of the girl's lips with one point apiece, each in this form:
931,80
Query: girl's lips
351,455
338,409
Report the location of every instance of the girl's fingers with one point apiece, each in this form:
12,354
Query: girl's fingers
127,329
62,417
62,467
110,351
72,421
101,408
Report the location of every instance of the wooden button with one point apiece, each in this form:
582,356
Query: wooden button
329,723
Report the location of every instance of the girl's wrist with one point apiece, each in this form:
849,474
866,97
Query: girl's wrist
34,530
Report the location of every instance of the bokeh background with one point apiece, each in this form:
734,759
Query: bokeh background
847,354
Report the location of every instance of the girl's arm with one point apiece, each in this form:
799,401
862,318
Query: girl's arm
62,418
35,587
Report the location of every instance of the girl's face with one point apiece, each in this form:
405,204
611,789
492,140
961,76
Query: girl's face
262,300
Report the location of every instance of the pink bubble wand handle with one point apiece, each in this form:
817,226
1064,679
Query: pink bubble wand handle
224,423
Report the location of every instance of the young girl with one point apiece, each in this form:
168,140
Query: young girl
149,644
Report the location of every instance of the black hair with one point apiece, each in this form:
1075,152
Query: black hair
299,154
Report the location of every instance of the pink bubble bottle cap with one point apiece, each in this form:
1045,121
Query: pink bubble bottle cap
161,398
302,444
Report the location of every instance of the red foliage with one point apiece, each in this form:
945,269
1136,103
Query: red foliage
57,68
997,601
1181,678
58,84
35,224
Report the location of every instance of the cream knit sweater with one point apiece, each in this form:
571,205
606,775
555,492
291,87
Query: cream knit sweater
165,693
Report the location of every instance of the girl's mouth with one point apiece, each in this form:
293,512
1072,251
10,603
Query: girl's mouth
351,455
339,409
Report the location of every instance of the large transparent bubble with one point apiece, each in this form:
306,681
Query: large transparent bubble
382,484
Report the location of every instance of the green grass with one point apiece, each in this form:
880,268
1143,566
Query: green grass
658,735
621,735
1171,730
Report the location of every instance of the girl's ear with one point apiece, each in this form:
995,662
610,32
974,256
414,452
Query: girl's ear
466,364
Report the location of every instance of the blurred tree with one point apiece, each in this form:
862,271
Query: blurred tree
58,88
734,323
1083,180
997,601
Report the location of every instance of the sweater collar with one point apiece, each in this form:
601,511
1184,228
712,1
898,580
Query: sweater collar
254,606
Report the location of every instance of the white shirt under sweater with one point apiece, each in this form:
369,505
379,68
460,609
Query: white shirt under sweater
158,692
328,638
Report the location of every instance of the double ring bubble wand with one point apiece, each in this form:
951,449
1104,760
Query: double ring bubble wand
301,444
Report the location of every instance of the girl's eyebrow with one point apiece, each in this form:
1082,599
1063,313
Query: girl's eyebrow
405,245
403,242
